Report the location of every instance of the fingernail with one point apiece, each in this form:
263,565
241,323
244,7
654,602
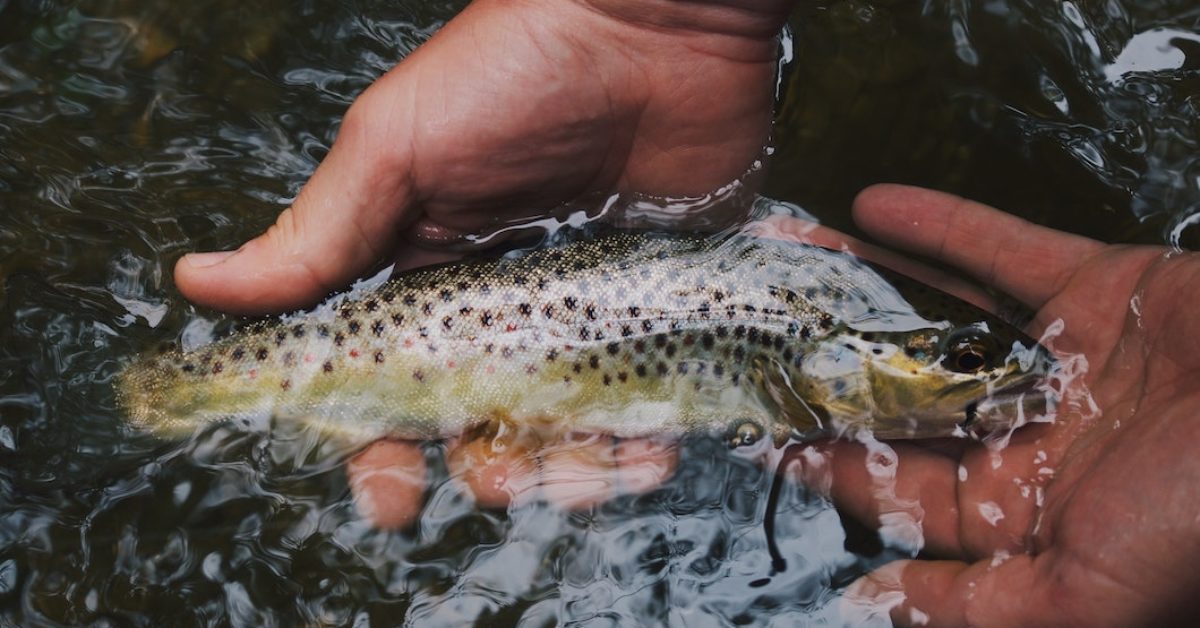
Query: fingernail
204,260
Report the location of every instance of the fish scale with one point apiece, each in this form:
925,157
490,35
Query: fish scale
626,334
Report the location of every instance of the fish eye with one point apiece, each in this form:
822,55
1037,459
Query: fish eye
968,351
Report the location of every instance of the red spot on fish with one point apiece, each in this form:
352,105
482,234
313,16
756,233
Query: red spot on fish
308,357
408,342
252,374
449,364
354,353
490,370
510,327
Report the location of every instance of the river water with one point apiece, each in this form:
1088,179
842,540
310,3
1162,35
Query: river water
133,132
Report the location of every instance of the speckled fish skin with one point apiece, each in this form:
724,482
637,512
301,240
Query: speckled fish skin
627,334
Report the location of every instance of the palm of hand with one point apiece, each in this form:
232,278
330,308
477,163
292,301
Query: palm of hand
1088,520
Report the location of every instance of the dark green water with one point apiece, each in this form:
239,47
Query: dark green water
132,132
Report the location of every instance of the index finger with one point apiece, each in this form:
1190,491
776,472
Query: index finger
1029,262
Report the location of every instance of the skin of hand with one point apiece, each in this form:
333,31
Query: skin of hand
1091,520
511,109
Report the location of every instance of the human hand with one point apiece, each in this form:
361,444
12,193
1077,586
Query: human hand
1091,520
514,108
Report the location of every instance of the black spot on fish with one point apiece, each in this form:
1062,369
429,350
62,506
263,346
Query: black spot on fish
379,357
662,369
681,368
766,339
805,332
577,367
660,340
525,309
289,358
594,361
739,353
752,334
584,333
506,353
423,332
298,331
552,355
486,319
622,376
427,309
446,295
607,379
634,311
323,331
734,378
718,369
463,286
613,348
217,367
640,370
647,325
670,350
739,331
347,312
689,340
327,366
826,322
707,341
465,310
339,338
448,322
397,319
410,299
354,326
371,305
286,384
722,331
718,296
571,303
548,311
626,331
489,348
590,312
388,297
639,346
377,328
749,308
787,355
238,354
418,375
262,354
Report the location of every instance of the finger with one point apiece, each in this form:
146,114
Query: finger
643,464
1029,262
1013,591
498,469
388,483
345,220
579,471
906,492
797,230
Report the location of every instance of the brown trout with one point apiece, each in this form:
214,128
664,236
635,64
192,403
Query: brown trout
628,335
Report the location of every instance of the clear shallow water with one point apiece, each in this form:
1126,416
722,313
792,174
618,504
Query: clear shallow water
131,133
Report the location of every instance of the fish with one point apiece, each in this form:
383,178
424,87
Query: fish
625,334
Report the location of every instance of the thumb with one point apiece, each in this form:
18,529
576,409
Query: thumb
346,219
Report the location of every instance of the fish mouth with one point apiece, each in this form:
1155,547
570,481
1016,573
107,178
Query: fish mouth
1006,408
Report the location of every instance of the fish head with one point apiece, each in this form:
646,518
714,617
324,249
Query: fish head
929,382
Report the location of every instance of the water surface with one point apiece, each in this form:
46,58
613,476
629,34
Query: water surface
133,132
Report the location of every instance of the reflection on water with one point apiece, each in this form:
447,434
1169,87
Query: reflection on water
133,132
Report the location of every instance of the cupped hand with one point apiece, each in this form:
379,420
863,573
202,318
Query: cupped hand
1092,520
511,109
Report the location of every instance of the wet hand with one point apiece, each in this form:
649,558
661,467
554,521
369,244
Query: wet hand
1091,520
510,110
